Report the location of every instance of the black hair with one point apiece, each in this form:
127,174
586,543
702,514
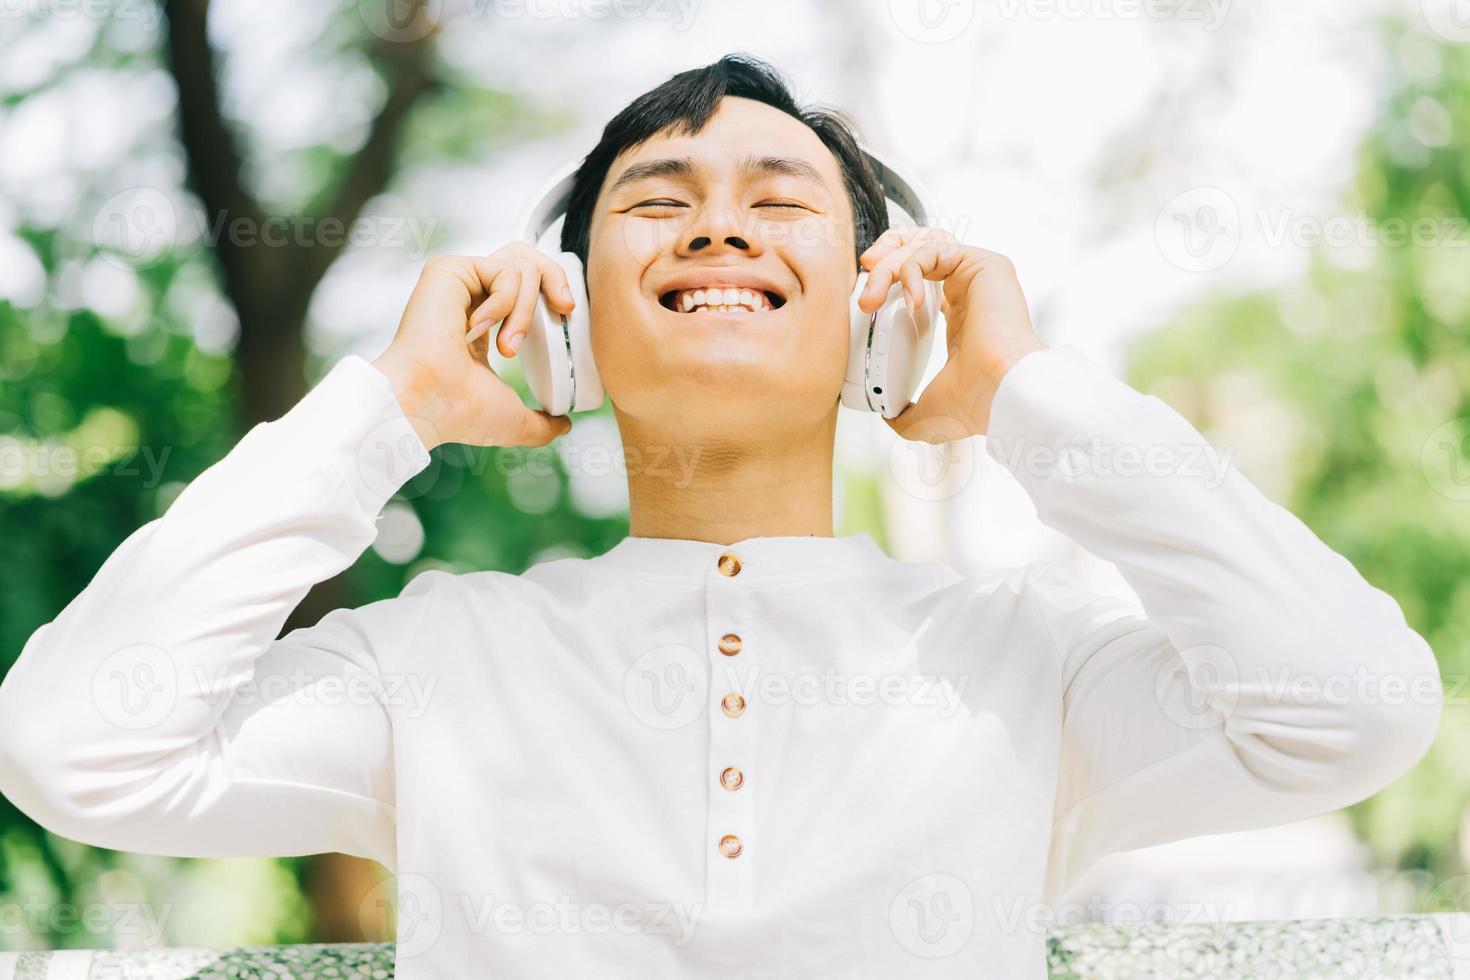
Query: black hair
685,103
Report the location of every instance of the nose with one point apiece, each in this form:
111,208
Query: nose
716,231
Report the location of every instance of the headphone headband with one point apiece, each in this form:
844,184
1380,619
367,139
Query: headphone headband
550,203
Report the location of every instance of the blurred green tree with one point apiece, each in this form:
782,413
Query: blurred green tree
1347,396
131,395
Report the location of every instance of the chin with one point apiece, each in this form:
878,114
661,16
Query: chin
720,366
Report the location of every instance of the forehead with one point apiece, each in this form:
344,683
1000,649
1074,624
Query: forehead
738,130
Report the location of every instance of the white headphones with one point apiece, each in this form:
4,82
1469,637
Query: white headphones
887,353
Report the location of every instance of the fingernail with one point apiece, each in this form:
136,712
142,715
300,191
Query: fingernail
475,331
514,343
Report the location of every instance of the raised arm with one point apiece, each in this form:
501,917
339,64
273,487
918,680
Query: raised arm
1263,681
159,713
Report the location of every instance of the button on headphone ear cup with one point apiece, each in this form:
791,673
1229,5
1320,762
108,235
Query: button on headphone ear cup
883,350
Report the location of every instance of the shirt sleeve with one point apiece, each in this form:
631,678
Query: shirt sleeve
1263,681
158,713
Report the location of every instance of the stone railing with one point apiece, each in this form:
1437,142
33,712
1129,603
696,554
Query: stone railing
1416,947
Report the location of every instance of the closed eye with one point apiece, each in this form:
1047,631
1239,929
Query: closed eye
662,203
782,204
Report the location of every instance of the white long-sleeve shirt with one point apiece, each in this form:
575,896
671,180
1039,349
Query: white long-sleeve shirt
786,757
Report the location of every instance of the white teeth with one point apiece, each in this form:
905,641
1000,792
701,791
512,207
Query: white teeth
722,300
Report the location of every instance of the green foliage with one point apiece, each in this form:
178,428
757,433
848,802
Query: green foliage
1336,392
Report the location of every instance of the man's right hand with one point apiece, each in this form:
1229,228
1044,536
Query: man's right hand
439,363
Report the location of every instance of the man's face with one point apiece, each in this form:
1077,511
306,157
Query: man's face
753,207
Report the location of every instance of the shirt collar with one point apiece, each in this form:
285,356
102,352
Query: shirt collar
762,559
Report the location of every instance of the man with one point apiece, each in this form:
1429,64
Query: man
735,745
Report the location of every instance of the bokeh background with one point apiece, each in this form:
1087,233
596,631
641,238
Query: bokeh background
1254,210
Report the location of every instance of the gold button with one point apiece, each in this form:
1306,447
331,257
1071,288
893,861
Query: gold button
732,779
733,704
729,564
731,644
730,846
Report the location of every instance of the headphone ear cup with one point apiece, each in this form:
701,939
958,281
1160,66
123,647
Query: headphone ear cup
888,351
854,386
556,356
587,381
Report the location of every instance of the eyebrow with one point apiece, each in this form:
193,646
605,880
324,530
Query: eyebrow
685,168
780,167
682,167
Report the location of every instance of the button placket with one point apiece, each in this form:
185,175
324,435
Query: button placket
730,779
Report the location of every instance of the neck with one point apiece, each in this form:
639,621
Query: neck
723,490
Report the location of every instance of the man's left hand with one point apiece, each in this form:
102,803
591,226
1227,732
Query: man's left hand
988,326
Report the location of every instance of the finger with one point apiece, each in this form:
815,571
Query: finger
533,427
518,323
500,284
881,278
490,313
484,277
934,257
479,349
479,274
882,245
912,277
941,255
554,284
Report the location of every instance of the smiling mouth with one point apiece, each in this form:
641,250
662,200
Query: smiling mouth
728,299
